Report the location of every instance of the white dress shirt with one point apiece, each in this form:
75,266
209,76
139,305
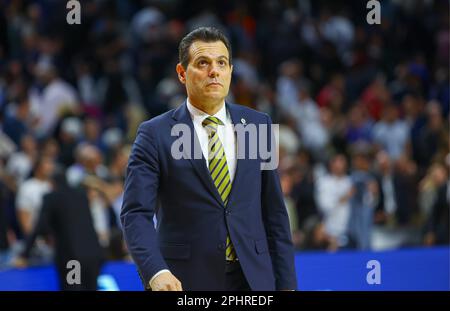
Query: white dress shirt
226,136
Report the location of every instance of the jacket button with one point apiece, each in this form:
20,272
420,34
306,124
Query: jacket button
221,246
227,212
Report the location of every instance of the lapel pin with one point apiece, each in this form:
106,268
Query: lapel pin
243,121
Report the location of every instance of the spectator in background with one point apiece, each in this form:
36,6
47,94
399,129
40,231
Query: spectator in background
429,188
333,194
69,134
57,98
387,206
406,181
433,137
334,123
391,133
18,122
87,87
288,139
21,163
314,135
413,106
437,228
66,217
88,162
440,90
359,127
364,199
92,133
397,181
317,237
304,188
375,97
7,146
100,213
333,93
118,163
116,91
50,148
30,193
117,171
286,182
18,169
290,76
111,191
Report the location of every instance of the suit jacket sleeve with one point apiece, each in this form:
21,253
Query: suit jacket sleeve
139,204
276,223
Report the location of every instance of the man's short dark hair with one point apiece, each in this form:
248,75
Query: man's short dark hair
204,34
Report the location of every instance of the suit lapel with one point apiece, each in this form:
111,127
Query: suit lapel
181,115
236,118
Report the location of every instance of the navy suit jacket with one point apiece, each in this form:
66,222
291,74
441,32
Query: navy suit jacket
191,230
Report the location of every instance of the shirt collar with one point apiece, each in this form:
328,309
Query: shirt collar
199,115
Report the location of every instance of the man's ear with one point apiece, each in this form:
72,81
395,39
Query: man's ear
181,73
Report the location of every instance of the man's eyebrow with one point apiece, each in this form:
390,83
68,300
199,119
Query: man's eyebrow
197,58
207,57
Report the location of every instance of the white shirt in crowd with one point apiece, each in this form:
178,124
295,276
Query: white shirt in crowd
56,97
330,189
29,197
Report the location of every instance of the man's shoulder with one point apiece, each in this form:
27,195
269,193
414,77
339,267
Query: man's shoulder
32,184
157,122
251,115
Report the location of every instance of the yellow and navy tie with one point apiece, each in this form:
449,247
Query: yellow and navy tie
218,169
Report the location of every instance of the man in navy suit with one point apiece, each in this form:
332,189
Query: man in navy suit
221,220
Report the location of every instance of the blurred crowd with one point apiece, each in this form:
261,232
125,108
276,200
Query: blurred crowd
363,110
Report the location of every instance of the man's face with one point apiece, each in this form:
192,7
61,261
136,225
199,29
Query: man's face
339,165
208,74
46,168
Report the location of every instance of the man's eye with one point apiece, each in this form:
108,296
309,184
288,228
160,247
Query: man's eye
203,63
222,63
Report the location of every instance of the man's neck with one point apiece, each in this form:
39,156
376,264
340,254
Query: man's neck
41,178
210,108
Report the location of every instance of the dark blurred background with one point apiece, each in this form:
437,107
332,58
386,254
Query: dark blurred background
363,111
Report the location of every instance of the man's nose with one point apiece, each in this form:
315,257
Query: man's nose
214,70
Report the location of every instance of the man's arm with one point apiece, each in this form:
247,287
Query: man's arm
138,209
24,216
276,223
23,203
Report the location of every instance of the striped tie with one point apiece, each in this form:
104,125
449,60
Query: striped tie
219,170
